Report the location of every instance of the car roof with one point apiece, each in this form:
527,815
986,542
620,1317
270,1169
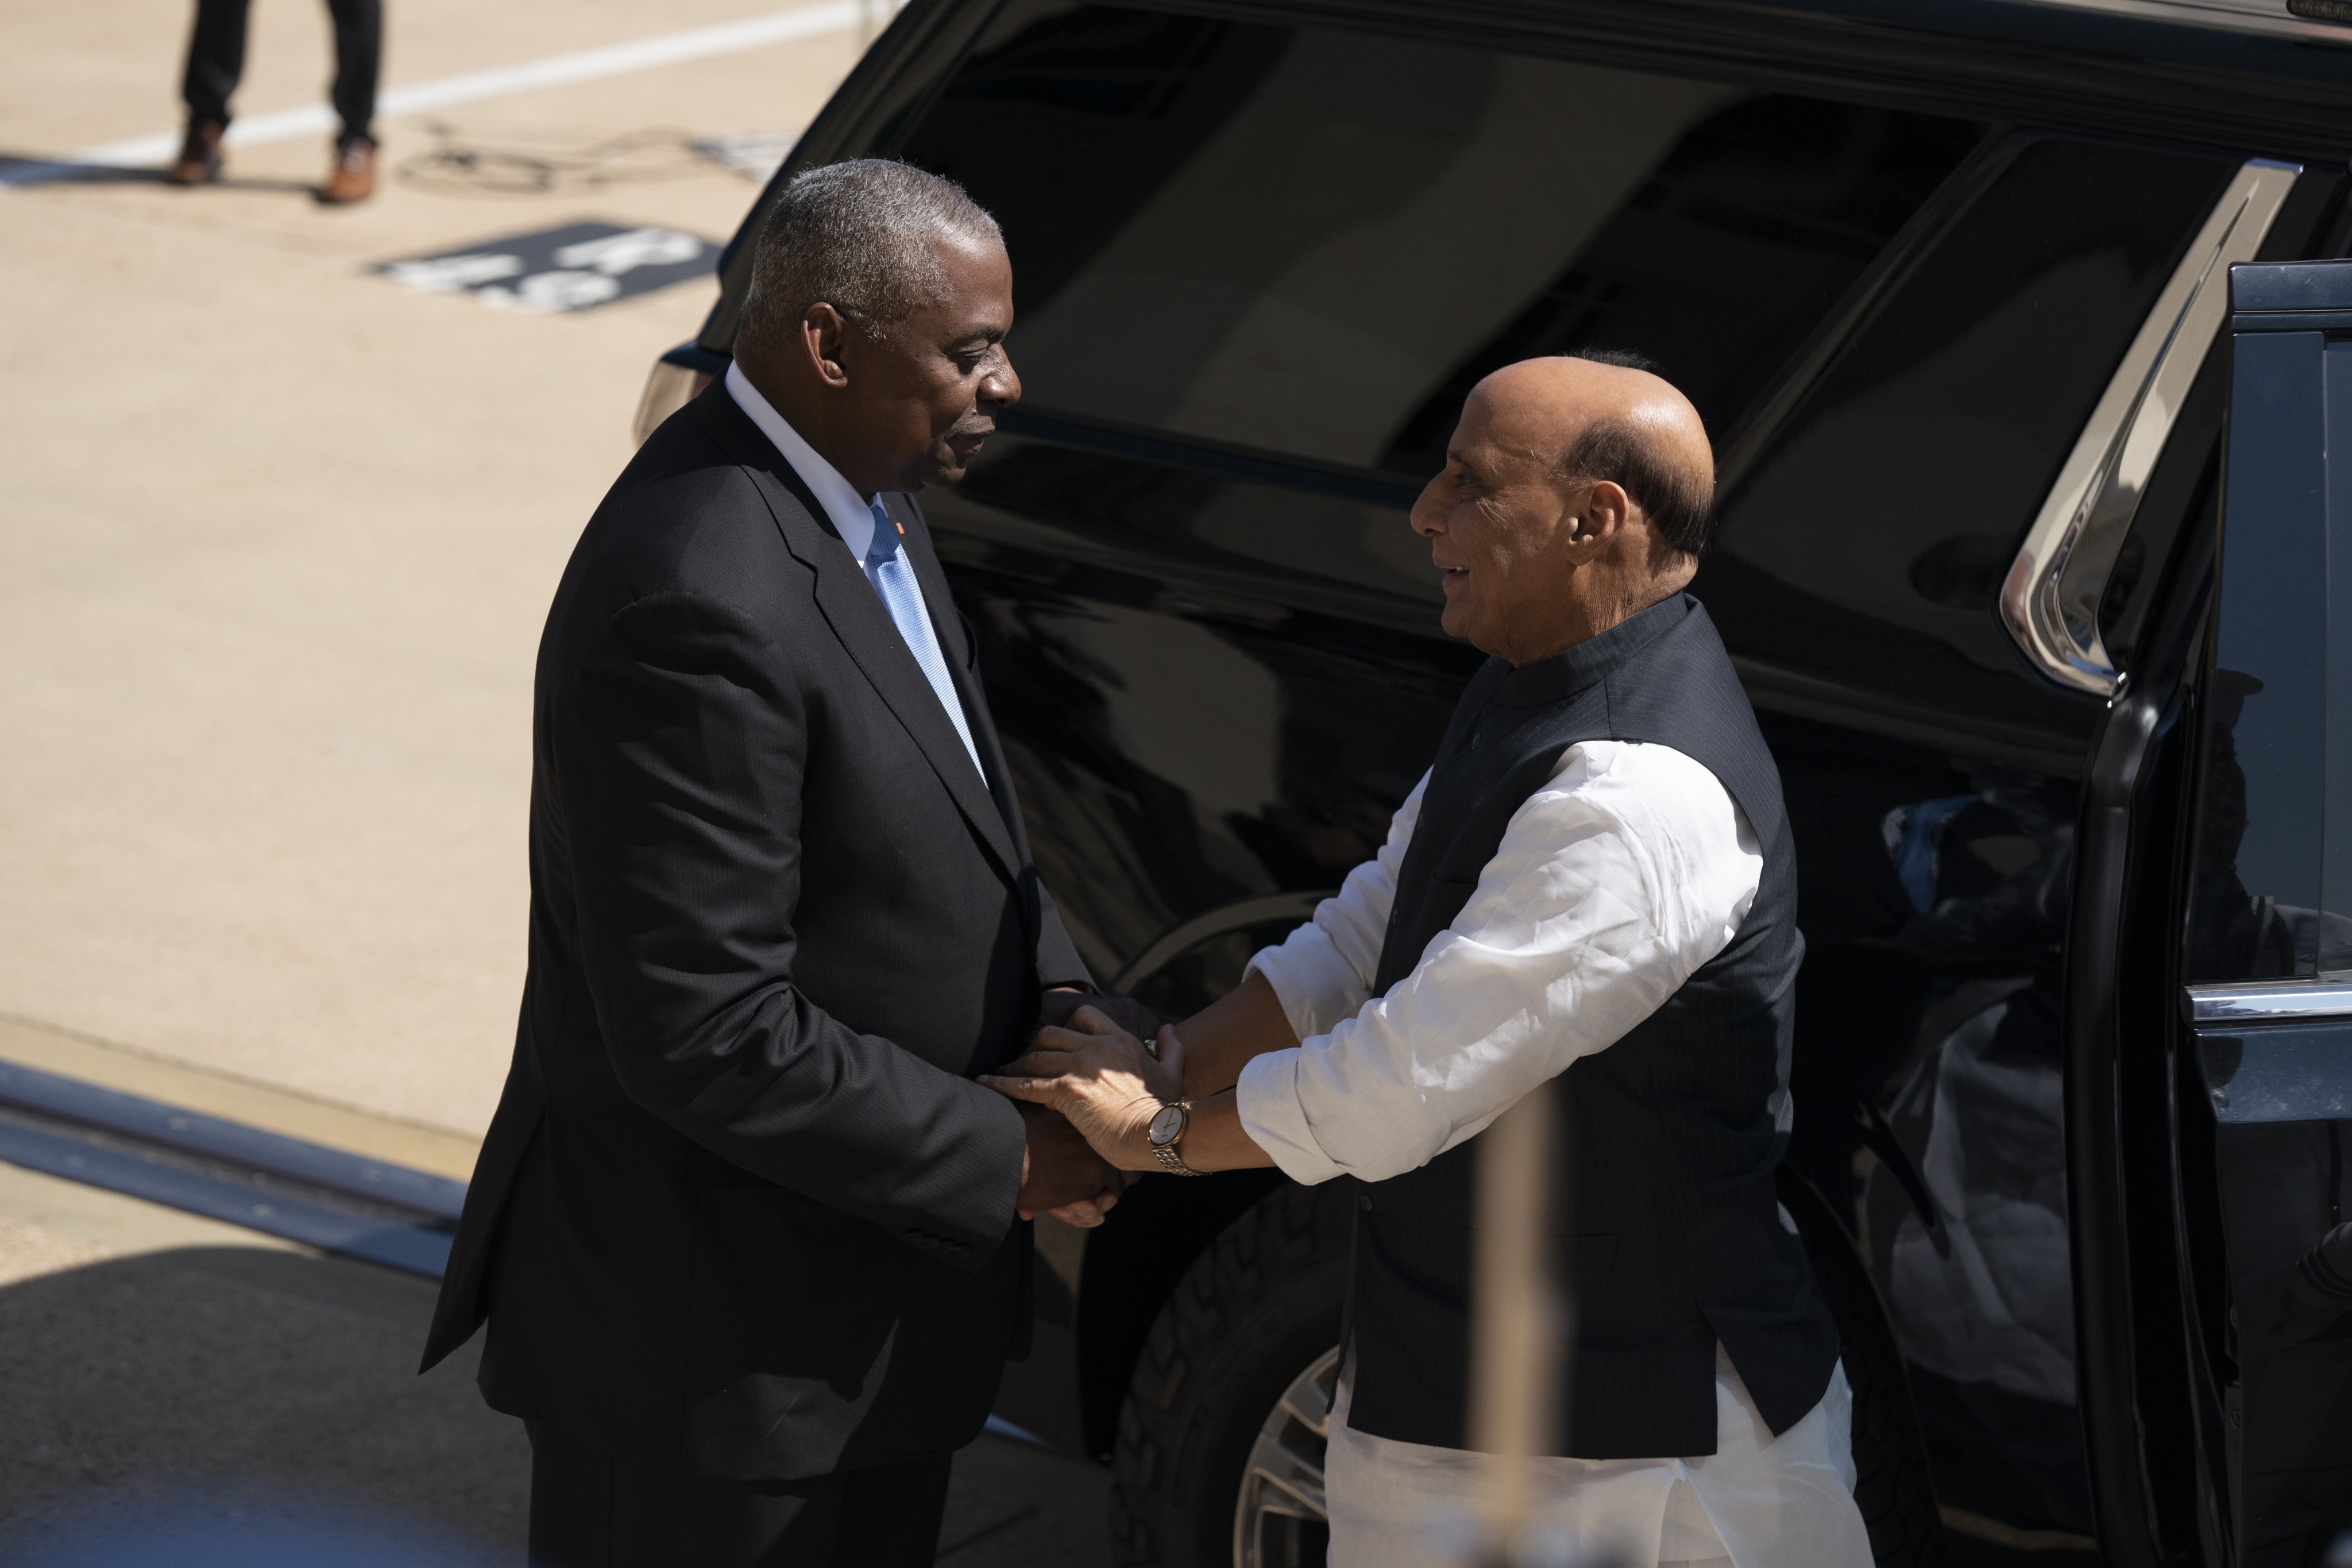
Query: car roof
2241,77
2232,73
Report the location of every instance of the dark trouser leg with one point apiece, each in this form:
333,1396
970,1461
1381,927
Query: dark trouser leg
890,1515
589,1509
216,60
358,58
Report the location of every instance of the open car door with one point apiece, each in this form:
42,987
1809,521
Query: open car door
2269,927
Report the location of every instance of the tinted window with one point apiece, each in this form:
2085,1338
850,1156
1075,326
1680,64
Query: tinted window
2335,943
1312,242
2261,871
1865,544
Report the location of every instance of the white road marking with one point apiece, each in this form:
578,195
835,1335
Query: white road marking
556,70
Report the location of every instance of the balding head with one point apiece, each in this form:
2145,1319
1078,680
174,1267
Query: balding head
1576,493
1608,418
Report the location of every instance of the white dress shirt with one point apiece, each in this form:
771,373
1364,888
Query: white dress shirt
852,515
1613,883
858,521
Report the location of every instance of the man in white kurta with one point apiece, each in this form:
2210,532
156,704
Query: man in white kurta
1572,504
1615,883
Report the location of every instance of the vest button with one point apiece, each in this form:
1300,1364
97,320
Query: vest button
1364,1201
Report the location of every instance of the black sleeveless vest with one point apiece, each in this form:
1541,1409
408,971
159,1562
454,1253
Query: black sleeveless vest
1668,1228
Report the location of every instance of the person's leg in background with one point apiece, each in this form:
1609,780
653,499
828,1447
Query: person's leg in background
215,61
359,61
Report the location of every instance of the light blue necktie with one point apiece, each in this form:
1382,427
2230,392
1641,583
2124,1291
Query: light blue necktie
894,579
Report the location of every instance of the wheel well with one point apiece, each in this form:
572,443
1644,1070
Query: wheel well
1133,1264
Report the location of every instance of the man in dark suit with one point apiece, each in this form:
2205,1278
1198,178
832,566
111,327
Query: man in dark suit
746,1233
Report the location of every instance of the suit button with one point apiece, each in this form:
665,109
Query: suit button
1364,1202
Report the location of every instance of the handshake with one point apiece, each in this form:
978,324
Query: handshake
1099,1071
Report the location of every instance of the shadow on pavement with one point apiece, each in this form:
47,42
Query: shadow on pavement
267,1401
26,169
242,1375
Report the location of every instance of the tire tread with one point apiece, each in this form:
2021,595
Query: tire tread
1292,1242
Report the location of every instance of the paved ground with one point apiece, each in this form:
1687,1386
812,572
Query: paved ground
157,1367
274,543
277,535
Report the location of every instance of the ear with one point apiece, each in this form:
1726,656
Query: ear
822,335
1608,511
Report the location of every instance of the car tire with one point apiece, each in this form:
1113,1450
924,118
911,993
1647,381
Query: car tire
1257,1315
1252,1319
1892,1484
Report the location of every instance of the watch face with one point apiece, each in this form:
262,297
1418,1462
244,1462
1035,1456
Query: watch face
1166,1125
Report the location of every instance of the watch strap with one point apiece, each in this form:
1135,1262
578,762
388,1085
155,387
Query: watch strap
1171,1161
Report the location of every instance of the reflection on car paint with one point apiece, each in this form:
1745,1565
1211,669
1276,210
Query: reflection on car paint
1982,1304
1182,743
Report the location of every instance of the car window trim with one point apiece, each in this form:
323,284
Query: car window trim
2049,600
1753,432
2217,16
2301,1000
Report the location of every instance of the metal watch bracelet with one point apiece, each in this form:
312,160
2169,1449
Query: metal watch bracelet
1169,1160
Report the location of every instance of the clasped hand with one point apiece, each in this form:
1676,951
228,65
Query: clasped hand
1108,1086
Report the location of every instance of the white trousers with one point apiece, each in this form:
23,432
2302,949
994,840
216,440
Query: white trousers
1758,1501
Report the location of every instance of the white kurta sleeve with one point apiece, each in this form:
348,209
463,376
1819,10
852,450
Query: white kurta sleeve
1323,970
1613,882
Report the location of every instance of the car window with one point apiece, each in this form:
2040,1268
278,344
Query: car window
1312,242
1865,544
2272,893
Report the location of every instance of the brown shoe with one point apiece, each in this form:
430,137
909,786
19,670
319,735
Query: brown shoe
199,161
353,179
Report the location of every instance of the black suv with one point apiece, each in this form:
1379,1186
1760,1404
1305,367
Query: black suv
1951,286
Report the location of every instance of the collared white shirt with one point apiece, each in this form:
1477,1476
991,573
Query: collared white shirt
857,519
852,515
1613,883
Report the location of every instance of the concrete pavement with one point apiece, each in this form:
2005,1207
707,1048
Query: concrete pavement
276,538
277,535
155,1365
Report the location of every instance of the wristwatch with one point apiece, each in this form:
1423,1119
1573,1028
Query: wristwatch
1167,1130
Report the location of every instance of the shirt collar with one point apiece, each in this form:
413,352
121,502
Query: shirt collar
1588,663
853,517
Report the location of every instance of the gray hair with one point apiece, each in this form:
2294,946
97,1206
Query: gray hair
1678,501
862,237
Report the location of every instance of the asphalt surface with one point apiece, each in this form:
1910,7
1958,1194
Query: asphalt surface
281,521
280,526
164,1375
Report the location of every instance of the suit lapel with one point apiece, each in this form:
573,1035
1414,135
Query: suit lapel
855,613
955,643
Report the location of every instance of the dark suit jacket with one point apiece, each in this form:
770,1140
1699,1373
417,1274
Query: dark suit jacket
742,1211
